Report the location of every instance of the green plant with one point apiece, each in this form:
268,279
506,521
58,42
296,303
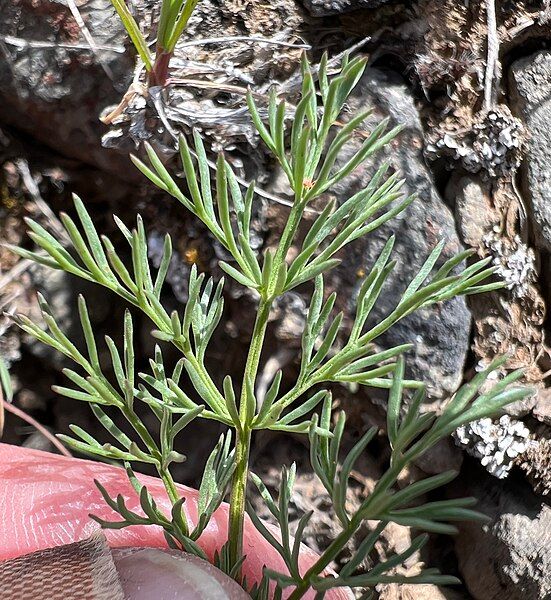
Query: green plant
310,163
173,18
6,391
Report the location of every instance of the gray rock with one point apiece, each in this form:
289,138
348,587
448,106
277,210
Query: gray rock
530,84
478,220
442,457
474,214
38,441
53,85
440,333
542,407
510,557
320,8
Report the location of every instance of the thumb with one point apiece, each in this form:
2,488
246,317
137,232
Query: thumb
89,569
147,573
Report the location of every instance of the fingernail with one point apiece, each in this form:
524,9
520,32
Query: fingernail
147,573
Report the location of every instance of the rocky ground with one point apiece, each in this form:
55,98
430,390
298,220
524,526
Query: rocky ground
474,99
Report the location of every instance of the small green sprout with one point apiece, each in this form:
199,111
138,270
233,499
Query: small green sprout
173,19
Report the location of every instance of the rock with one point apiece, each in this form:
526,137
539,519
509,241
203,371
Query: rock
542,407
530,87
320,8
479,221
38,441
492,146
53,85
220,115
474,214
441,332
289,316
397,591
521,408
442,457
490,219
536,464
510,557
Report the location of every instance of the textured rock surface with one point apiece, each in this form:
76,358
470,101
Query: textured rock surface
215,103
320,8
52,84
491,220
542,407
536,463
441,332
474,214
395,591
509,557
492,146
531,94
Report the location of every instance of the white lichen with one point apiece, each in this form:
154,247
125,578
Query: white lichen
515,262
496,443
492,146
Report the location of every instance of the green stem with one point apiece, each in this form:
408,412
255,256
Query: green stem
238,497
371,509
173,495
164,474
243,442
170,486
325,559
287,237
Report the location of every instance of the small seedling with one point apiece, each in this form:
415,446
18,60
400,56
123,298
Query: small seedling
173,19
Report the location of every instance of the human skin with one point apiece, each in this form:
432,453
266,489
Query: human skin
46,500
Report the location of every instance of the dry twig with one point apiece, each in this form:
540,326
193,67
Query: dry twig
28,419
492,60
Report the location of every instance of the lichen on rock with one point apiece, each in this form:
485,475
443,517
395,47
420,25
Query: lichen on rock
497,443
492,146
